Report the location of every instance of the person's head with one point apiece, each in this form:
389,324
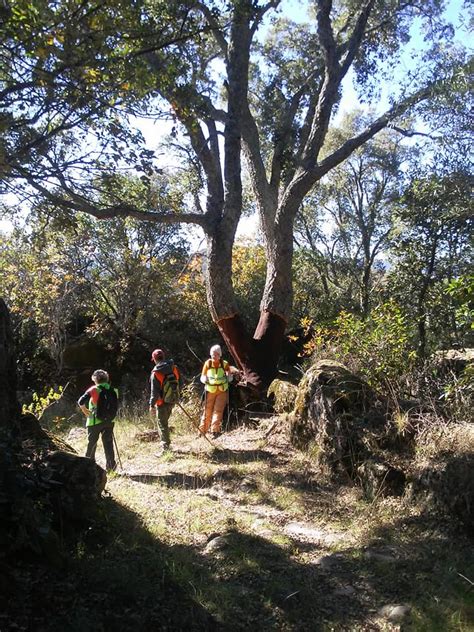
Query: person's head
100,376
157,355
216,352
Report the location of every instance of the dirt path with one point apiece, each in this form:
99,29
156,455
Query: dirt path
271,545
246,536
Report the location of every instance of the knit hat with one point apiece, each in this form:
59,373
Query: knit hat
158,354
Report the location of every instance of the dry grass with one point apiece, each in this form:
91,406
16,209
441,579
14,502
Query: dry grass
440,436
297,553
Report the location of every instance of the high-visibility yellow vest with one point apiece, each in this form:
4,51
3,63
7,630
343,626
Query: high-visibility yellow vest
217,378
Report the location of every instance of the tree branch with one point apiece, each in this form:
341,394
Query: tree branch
383,121
272,4
77,202
215,28
356,37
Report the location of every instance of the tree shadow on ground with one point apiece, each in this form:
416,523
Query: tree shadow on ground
120,578
224,455
259,584
417,560
180,480
116,578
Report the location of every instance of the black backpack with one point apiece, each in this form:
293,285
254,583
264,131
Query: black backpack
107,404
171,392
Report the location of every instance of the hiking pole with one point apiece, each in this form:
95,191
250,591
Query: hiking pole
196,426
118,453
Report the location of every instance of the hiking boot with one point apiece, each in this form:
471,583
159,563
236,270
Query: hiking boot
165,447
216,435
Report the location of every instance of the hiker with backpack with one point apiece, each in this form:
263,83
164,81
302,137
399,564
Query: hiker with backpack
165,388
99,404
216,375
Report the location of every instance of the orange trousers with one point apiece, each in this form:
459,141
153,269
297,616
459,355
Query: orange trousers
213,411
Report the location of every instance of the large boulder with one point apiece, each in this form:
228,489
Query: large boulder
62,411
453,361
45,488
339,413
443,470
64,486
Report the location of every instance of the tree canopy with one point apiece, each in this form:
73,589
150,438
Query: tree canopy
238,80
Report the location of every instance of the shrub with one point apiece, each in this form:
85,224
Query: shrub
40,403
378,347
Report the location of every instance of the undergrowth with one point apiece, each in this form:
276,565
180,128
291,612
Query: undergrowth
154,564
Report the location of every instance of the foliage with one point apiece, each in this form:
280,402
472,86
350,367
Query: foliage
39,403
379,347
458,395
73,277
430,248
343,225
248,272
71,74
314,296
461,290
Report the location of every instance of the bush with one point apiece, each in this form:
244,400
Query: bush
378,347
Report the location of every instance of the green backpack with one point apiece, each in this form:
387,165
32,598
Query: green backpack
171,392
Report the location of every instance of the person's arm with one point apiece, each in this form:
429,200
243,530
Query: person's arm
153,396
232,372
83,403
203,377
156,389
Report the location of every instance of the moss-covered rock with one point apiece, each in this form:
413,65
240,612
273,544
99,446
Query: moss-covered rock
346,419
444,471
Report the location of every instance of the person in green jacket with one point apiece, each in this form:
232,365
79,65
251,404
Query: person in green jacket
99,405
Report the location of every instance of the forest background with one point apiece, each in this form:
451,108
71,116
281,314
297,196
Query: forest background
137,137
99,266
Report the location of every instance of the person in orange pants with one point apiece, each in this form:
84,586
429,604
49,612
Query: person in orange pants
216,375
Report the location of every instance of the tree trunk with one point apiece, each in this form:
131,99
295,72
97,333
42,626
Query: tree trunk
9,407
256,356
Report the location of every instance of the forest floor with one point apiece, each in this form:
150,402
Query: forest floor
248,535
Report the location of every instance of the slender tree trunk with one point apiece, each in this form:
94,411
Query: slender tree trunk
421,307
365,289
9,407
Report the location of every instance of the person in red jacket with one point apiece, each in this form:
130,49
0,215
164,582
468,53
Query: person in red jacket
165,386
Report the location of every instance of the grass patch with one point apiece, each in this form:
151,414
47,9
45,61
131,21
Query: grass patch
148,563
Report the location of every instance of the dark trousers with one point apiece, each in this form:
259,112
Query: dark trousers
106,430
163,413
